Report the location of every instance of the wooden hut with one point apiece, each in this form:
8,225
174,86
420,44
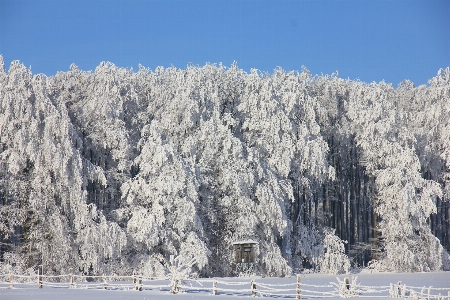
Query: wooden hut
244,251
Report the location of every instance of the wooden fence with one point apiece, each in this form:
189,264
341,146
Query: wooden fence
295,290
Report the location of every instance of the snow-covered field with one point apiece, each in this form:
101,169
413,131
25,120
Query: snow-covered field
310,283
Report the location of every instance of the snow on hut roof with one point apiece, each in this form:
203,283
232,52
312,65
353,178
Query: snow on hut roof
245,242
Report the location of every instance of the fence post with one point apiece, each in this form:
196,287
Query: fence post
174,289
179,283
253,288
140,283
214,287
137,280
347,283
429,292
105,284
11,280
71,285
40,271
298,287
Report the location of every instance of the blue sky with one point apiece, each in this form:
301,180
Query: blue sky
370,40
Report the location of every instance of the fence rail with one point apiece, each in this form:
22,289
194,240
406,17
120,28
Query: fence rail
296,290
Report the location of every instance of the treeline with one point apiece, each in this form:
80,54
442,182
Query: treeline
114,171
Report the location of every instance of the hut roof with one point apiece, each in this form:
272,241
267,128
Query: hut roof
245,242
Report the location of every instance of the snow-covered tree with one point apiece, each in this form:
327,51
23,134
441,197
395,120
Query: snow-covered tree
53,224
404,199
161,205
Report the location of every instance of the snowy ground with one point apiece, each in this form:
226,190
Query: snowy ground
436,280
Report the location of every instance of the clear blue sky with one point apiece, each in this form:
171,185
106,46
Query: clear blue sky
370,40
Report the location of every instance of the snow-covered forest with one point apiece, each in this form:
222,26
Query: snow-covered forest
114,170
